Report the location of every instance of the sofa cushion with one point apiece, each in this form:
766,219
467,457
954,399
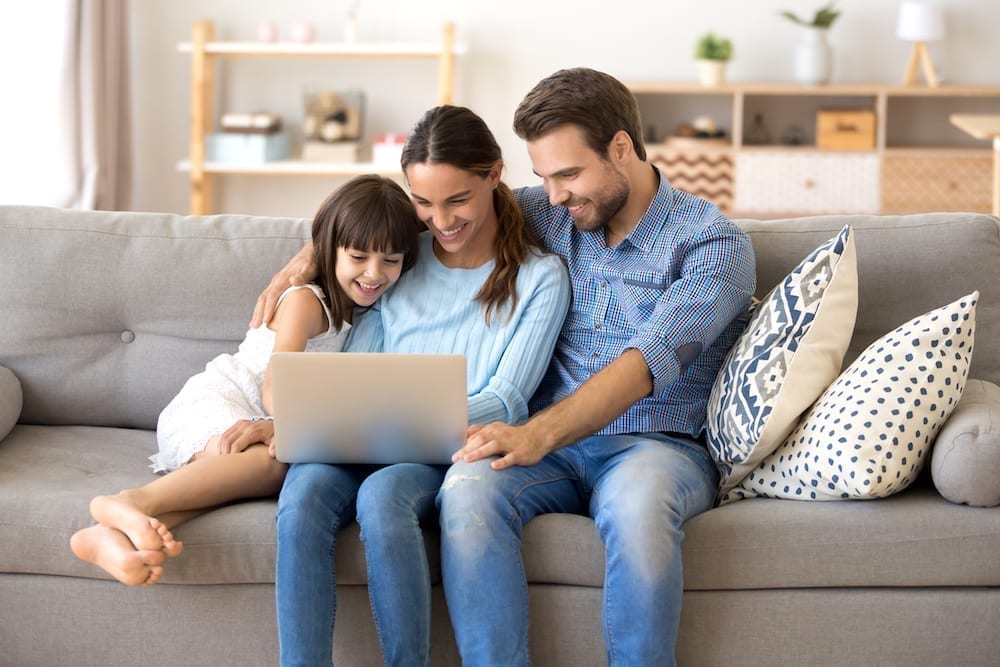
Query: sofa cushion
48,474
912,539
965,464
10,401
755,543
115,310
907,264
790,351
869,433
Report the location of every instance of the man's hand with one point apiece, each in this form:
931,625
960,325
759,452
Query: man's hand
244,433
299,271
515,445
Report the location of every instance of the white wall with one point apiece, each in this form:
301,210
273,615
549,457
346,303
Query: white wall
509,50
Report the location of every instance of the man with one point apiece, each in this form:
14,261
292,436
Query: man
661,282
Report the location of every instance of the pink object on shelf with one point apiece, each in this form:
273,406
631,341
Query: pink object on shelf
387,149
267,31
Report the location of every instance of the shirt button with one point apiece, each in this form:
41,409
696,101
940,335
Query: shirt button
127,336
597,326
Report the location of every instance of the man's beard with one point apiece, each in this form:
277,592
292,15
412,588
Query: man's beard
610,202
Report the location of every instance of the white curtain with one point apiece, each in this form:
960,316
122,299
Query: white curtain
65,129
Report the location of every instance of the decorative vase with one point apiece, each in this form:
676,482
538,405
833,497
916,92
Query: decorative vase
711,72
812,57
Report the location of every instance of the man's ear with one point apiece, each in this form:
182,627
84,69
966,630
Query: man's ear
620,146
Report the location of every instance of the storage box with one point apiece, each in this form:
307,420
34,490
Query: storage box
239,148
845,129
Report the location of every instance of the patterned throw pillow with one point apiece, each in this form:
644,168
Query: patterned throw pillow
790,351
870,432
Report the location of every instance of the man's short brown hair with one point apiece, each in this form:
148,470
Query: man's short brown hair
599,104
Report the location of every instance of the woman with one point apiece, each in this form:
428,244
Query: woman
482,287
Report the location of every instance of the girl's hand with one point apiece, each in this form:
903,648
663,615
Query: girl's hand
244,433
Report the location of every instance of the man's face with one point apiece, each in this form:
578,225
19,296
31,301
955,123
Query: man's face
593,190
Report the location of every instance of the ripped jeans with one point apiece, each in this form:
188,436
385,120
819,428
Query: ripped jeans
638,488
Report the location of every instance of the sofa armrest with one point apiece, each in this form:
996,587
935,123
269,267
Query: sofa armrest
10,401
965,464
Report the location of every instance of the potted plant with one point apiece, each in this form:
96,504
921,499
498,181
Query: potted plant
813,55
712,53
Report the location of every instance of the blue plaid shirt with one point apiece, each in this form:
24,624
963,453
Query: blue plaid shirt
676,288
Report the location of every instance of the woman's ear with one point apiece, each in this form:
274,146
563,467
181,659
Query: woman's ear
495,173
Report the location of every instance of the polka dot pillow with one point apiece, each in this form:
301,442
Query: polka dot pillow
790,351
870,432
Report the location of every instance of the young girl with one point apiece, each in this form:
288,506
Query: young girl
213,436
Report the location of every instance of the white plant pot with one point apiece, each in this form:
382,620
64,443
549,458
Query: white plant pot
711,72
813,57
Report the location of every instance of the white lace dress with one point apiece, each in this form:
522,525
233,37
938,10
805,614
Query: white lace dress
228,390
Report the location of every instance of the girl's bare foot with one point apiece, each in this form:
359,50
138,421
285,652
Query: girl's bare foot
145,532
111,550
171,547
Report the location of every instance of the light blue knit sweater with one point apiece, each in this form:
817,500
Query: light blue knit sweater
431,310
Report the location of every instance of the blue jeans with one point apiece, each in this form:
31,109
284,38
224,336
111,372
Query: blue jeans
315,502
393,503
638,488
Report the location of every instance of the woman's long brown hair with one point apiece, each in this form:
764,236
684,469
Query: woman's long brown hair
457,137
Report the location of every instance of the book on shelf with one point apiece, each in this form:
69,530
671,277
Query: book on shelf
250,123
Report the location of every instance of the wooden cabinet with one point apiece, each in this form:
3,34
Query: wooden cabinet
777,181
205,51
952,182
768,164
706,170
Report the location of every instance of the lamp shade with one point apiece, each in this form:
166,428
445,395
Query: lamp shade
920,21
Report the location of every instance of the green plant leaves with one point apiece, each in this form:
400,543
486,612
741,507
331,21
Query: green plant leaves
824,17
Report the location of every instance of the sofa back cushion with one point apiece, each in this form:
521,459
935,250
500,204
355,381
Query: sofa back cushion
106,314
907,265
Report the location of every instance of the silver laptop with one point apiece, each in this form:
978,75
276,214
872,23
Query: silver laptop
352,407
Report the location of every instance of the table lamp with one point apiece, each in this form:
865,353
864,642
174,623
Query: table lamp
920,22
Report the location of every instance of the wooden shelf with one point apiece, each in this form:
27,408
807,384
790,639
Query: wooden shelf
295,168
323,49
831,90
205,49
917,161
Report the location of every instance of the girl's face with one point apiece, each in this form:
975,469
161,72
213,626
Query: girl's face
365,276
457,206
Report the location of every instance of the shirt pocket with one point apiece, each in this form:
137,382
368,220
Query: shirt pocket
639,292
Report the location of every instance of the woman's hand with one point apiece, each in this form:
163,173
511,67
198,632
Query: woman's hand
299,271
246,432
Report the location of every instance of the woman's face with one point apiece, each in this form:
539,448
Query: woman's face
457,206
366,275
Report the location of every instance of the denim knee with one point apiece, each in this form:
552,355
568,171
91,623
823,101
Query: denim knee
316,491
470,496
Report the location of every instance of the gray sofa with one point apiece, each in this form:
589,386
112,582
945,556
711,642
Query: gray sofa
105,315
